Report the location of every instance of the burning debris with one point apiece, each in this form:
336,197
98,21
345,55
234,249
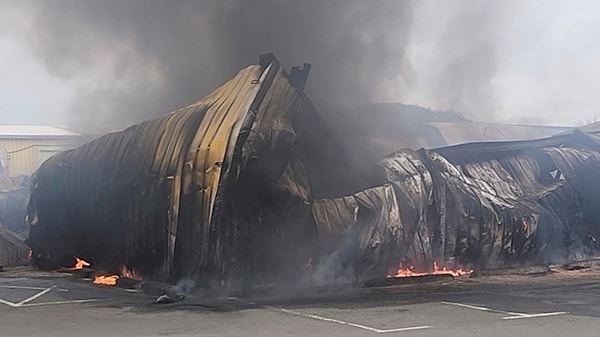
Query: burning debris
411,272
247,186
100,278
79,264
107,280
112,280
130,280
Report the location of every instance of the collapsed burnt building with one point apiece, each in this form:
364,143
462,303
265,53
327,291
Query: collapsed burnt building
248,185
217,190
482,205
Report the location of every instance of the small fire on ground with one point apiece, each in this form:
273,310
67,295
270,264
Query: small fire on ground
111,280
410,272
107,280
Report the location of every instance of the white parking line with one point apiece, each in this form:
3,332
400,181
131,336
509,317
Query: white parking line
513,315
474,307
360,326
10,304
59,302
40,294
29,288
44,291
545,314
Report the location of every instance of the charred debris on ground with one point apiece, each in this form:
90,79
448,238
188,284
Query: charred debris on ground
249,186
14,197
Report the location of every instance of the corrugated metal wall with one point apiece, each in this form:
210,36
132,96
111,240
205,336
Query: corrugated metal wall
196,193
145,195
26,155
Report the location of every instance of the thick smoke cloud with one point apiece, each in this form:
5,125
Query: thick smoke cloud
467,45
136,59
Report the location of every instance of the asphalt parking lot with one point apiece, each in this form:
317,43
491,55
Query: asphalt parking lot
565,304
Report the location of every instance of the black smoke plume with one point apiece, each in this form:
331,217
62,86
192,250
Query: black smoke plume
137,59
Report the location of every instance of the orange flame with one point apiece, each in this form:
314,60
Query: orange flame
107,280
79,264
408,272
111,280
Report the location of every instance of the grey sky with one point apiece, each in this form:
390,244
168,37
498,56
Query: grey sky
512,61
29,94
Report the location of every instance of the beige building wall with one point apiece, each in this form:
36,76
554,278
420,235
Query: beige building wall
25,155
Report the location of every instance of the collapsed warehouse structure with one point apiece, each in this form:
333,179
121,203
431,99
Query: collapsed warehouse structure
247,185
214,191
481,205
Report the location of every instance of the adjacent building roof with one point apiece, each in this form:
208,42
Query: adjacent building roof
464,132
35,131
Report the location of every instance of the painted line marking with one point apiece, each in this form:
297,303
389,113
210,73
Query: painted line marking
29,288
40,294
545,314
360,326
44,291
474,307
10,304
512,315
59,302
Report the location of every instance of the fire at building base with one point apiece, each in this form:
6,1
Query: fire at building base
249,186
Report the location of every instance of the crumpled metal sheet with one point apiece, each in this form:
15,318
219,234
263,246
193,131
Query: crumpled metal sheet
197,193
334,217
294,181
482,205
496,209
370,218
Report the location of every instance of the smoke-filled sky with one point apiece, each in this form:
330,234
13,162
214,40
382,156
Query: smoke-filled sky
99,65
